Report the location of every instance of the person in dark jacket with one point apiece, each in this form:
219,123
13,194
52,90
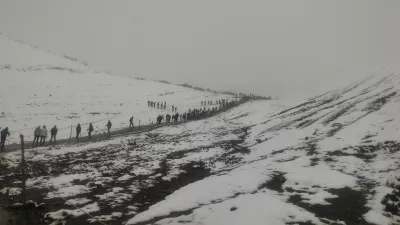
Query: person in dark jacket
90,130
37,136
53,133
4,133
131,122
159,119
78,131
109,124
176,116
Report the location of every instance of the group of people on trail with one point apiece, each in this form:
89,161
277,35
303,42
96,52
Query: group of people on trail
174,117
40,135
208,102
199,113
91,129
161,105
157,104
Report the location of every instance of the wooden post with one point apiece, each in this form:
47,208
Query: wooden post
70,135
23,169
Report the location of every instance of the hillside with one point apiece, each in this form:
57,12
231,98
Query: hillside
39,88
330,159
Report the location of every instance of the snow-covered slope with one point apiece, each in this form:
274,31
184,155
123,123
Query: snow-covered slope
330,159
327,160
39,88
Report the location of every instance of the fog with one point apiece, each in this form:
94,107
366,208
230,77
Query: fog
279,48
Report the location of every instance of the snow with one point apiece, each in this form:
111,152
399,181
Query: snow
11,191
69,93
243,180
377,218
320,175
243,166
60,214
124,177
318,198
375,215
68,191
253,209
78,201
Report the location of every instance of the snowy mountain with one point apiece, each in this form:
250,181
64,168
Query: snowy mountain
330,159
39,88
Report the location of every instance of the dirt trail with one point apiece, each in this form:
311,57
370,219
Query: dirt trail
95,138
112,134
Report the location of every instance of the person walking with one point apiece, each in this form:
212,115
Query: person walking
53,133
131,122
43,135
109,124
78,131
4,133
90,130
36,134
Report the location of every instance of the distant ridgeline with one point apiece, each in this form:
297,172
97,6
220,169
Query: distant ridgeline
82,62
249,96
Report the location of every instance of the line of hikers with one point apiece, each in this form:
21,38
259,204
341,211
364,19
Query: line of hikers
161,105
220,102
195,114
40,133
91,129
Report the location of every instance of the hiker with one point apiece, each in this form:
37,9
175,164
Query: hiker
159,119
176,117
201,102
78,131
148,103
37,136
109,124
53,133
4,133
131,122
90,130
165,105
43,135
158,105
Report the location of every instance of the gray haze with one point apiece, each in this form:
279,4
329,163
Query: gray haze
268,47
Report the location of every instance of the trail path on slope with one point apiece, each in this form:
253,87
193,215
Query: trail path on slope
102,136
95,137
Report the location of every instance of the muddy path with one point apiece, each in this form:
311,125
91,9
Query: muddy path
104,136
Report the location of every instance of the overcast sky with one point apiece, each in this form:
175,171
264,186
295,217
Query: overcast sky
269,47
